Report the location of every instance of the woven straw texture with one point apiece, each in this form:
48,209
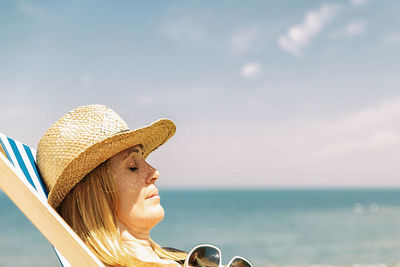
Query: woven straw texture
83,139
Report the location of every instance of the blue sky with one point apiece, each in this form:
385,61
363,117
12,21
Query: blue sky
264,93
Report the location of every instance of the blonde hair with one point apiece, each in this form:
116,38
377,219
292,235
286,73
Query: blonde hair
90,210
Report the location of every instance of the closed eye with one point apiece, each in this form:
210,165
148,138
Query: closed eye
133,168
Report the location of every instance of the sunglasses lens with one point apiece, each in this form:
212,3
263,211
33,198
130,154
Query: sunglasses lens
204,257
238,262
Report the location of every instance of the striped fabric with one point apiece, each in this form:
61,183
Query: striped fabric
23,158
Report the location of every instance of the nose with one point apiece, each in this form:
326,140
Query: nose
152,175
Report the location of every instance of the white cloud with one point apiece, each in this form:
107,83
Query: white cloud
392,38
375,140
183,29
351,29
369,138
358,149
355,28
361,145
301,35
242,41
250,70
358,2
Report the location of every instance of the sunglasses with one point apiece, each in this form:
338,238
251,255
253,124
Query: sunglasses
210,256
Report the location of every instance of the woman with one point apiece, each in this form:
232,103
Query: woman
98,180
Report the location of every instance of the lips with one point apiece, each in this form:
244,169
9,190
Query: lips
152,194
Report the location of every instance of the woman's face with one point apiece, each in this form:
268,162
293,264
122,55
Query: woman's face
138,200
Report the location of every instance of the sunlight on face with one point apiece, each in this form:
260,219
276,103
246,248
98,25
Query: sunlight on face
138,200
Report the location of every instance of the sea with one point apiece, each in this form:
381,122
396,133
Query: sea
285,227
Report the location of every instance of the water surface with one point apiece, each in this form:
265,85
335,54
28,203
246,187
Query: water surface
265,226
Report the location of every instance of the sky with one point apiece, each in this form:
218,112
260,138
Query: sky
265,94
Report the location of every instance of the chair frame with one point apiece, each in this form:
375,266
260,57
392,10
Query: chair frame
43,216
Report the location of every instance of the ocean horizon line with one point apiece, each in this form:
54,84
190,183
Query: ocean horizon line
288,189
338,188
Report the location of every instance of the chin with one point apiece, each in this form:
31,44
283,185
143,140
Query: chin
161,213
156,214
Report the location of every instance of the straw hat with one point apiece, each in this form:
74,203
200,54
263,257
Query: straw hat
83,139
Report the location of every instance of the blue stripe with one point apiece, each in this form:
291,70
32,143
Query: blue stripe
32,161
21,161
24,169
5,150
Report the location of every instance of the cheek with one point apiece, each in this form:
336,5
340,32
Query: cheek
128,191
132,205
126,182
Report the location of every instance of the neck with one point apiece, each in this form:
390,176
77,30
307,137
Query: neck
129,234
139,241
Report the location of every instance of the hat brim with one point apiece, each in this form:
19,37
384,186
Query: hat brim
150,137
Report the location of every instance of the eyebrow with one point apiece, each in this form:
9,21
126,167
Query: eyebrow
131,152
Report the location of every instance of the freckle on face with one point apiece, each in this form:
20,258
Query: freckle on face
132,189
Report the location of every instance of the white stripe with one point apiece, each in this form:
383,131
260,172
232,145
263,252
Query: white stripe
25,158
33,153
22,176
12,155
16,169
41,195
62,259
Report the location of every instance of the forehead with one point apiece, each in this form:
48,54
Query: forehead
128,152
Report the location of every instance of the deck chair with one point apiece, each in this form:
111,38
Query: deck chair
21,182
